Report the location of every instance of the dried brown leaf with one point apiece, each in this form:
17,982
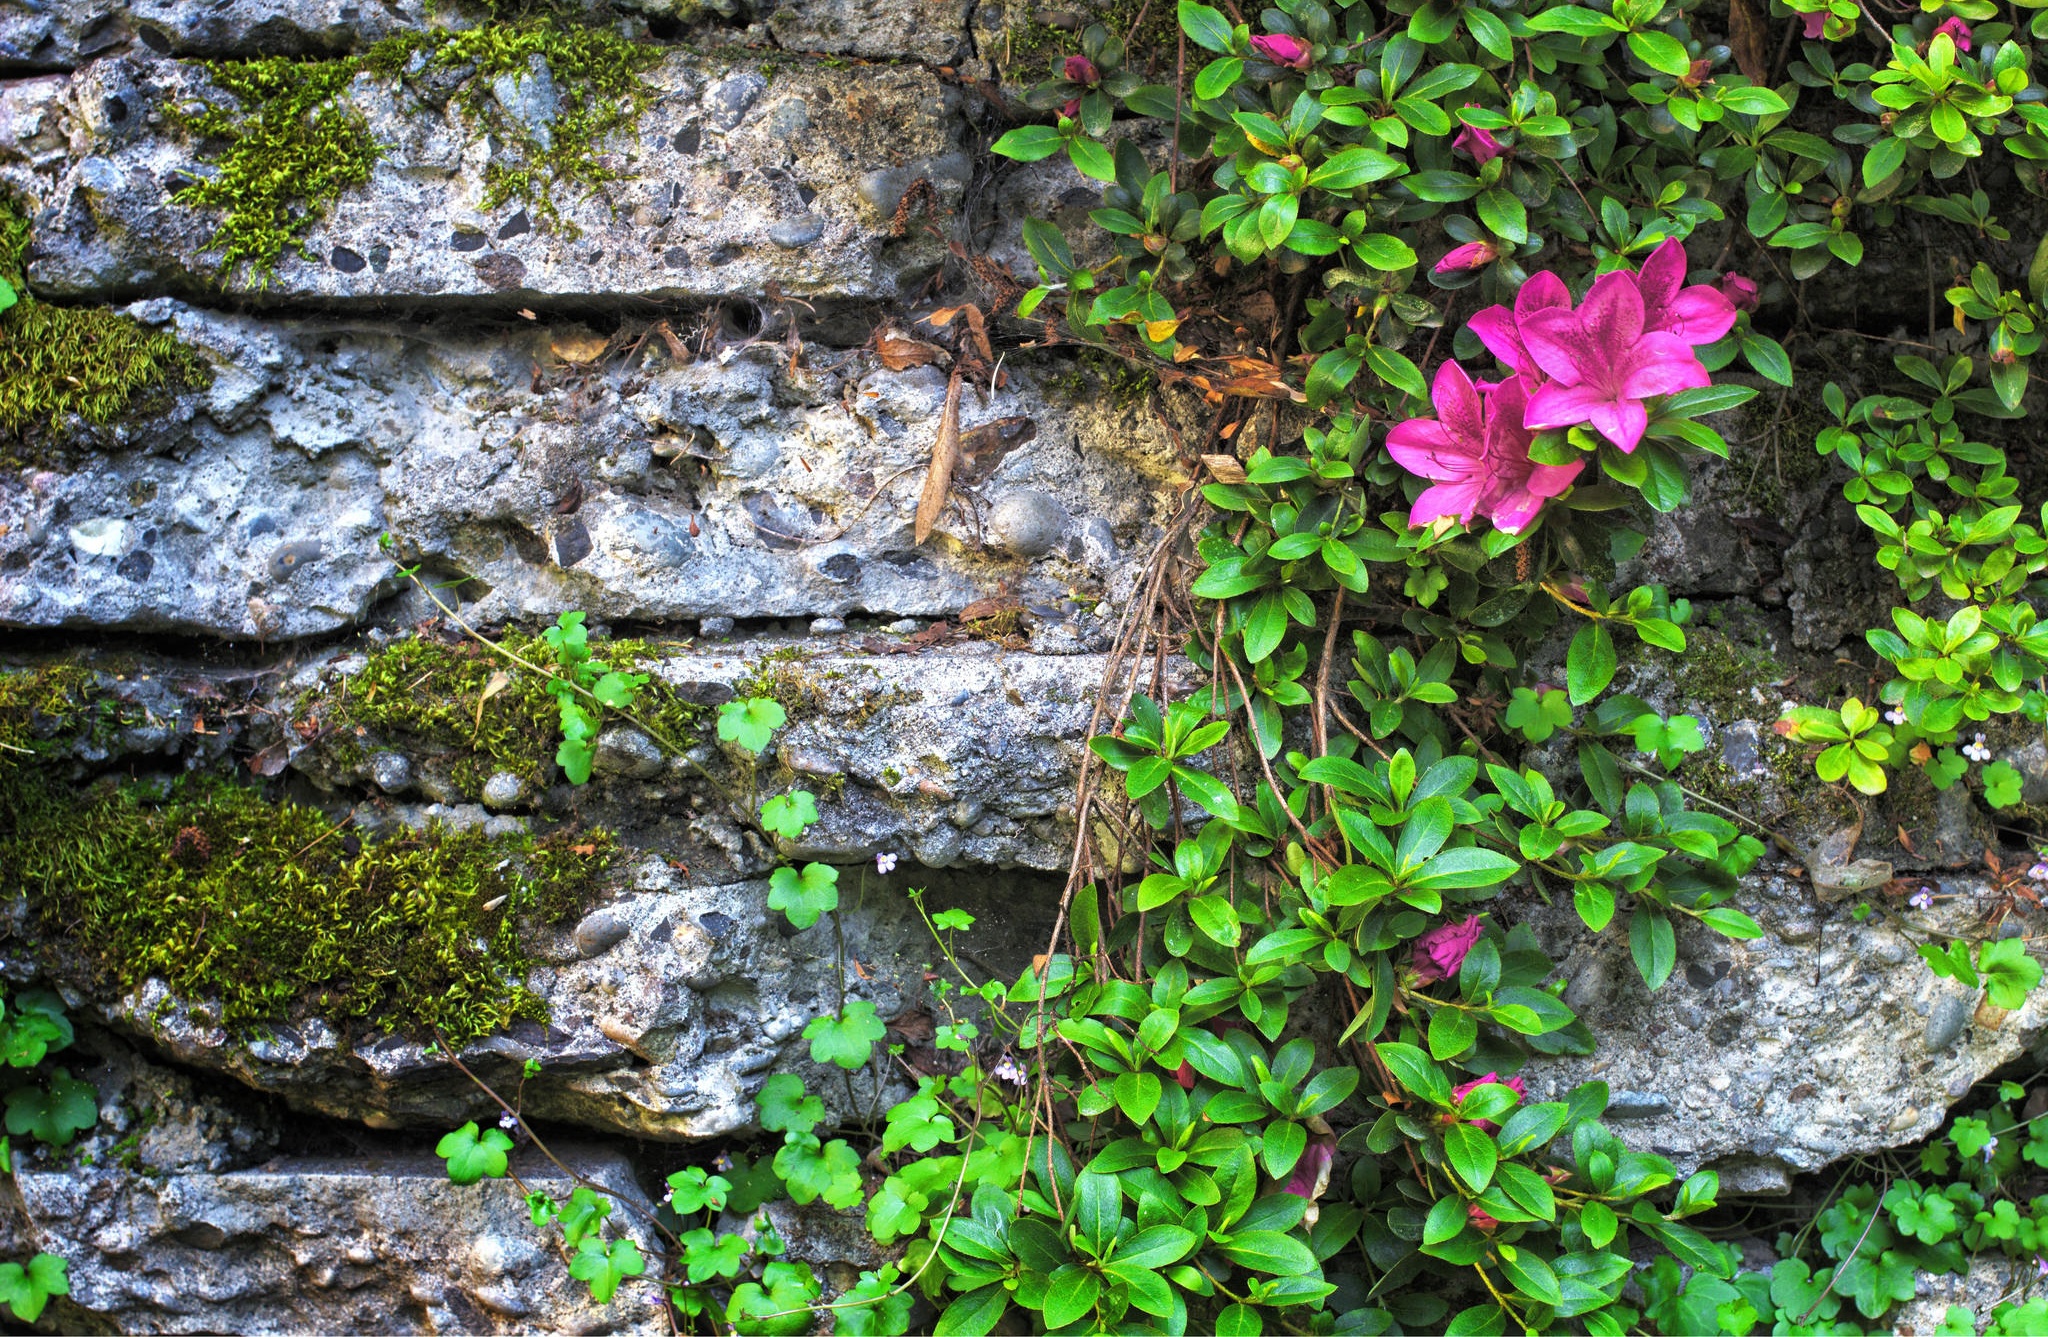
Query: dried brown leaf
945,454
1225,467
900,352
1749,39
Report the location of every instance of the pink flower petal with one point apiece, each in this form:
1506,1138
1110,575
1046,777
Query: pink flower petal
1496,328
1424,448
1659,364
1622,422
1558,405
1459,501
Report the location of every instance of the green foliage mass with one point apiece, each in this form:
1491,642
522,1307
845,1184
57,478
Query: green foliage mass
56,361
275,909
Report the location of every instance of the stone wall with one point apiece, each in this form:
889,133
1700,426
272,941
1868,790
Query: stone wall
699,406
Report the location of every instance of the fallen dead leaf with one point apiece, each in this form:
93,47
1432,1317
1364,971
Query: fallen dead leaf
578,348
1225,468
945,454
900,352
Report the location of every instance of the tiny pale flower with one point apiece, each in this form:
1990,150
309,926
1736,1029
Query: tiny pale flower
1922,899
2039,872
885,864
1007,1069
1282,49
1990,1149
2041,1264
1895,716
508,1121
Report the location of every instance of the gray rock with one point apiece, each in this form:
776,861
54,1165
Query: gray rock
1949,1018
532,99
827,626
628,752
600,931
392,772
1026,524
715,626
505,790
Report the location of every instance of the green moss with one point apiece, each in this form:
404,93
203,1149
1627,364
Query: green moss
56,361
277,911
596,74
468,709
47,705
293,144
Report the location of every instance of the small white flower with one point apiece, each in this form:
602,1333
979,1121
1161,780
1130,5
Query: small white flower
1895,716
1922,899
721,1162
1989,1148
1009,1070
2039,872
508,1121
885,863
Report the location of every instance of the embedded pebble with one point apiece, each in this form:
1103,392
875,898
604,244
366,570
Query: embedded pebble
505,790
1951,1014
289,557
627,752
827,626
600,931
392,772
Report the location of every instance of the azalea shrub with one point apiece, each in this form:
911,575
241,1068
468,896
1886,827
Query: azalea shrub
1460,282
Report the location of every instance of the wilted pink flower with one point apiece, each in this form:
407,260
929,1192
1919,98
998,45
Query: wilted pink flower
1500,329
1185,1075
1080,69
1282,49
1740,291
1699,314
1312,1172
1481,144
1814,23
1439,952
1514,1084
1472,255
1477,451
1603,362
1958,32
1480,1218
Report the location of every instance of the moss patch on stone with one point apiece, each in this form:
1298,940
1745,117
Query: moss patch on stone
57,361
293,144
273,911
595,74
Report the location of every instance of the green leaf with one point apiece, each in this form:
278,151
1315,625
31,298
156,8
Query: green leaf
1091,158
751,722
1590,663
784,1108
1207,28
1752,101
1070,1292
1472,1155
617,690
1137,1095
804,896
787,815
1661,52
1217,77
27,1290
1504,215
1270,1251
1654,945
470,1157
847,1039
1027,143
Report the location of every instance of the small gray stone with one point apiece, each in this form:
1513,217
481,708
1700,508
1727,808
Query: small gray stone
715,626
627,752
789,118
505,790
1026,524
1637,1105
802,230
904,626
729,99
392,772
600,931
1948,1019
827,626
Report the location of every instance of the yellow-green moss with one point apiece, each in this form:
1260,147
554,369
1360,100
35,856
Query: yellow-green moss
50,703
292,144
276,910
426,698
56,361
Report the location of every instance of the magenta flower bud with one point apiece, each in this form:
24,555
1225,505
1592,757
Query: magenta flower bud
1080,69
1072,109
1439,952
1958,32
1472,255
1281,49
1740,291
1814,23
1481,144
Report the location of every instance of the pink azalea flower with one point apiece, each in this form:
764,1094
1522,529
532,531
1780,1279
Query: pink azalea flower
1514,1084
1699,314
1472,255
1477,451
1814,23
1439,952
1500,329
1481,144
1958,32
1604,362
1080,69
1282,49
1740,291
